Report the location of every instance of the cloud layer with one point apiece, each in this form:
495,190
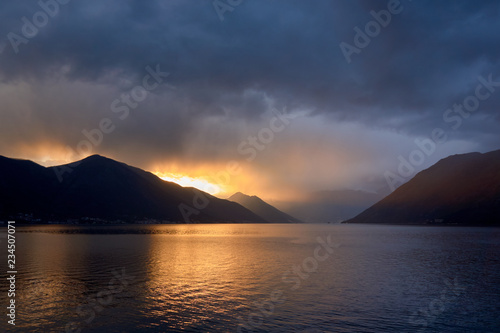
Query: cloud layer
60,76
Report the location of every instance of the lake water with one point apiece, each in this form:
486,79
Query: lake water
255,278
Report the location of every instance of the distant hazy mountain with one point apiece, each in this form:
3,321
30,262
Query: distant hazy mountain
263,209
329,206
460,189
101,188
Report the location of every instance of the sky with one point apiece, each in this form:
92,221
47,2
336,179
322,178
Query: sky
275,98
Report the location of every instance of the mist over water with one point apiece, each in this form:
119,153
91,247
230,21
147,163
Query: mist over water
256,278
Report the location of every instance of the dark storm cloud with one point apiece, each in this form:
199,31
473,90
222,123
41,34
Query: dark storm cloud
263,55
289,48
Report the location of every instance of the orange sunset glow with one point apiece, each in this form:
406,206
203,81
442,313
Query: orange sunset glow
187,181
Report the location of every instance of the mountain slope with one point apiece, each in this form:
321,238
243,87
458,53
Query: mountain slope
460,189
24,184
263,209
99,187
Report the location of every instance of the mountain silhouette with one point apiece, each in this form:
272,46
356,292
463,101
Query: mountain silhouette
101,188
263,209
458,190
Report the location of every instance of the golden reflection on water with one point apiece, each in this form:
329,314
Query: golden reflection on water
206,277
184,275
201,273
50,258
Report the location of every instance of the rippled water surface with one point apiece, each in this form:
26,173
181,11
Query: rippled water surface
255,278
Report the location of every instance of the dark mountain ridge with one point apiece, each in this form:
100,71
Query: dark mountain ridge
458,190
101,188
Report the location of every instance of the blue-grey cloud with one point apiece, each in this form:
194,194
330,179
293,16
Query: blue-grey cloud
263,55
